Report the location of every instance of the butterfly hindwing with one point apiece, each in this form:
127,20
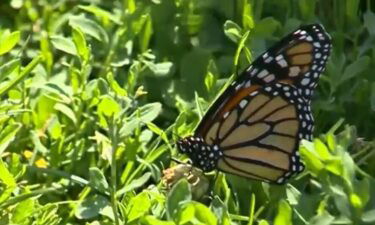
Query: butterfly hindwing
259,136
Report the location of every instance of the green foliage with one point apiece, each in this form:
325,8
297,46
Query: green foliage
94,93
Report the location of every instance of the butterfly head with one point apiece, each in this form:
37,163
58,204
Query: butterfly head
203,155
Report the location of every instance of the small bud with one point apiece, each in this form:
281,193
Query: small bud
198,182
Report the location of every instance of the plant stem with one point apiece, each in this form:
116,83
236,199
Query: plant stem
113,135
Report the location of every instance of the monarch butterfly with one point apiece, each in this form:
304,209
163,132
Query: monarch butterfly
254,127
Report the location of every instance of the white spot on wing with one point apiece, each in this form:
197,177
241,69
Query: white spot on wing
279,57
305,81
243,103
269,78
317,44
263,73
269,59
282,63
294,71
268,89
254,71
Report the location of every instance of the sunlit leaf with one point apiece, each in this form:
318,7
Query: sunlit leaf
7,135
8,41
10,183
233,31
138,206
80,43
64,44
284,214
89,27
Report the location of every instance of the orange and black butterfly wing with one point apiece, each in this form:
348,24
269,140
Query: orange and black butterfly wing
298,60
255,126
259,136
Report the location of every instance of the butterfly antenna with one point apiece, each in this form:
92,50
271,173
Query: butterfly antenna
177,161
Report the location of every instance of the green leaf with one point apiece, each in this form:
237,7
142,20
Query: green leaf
64,44
187,214
23,211
61,91
322,219
369,216
220,211
12,66
146,34
369,22
97,180
372,97
194,211
355,201
80,43
137,183
152,220
143,115
158,131
108,106
307,8
66,111
355,68
179,194
115,85
241,46
341,199
101,13
204,214
138,207
6,178
38,145
161,69
232,31
322,150
284,214
349,166
263,222
7,135
209,81
16,80
293,195
310,157
247,16
8,41
89,27
91,207
55,128
266,27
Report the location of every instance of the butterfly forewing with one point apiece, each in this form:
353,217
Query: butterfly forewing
297,59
